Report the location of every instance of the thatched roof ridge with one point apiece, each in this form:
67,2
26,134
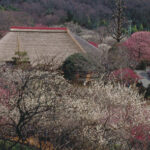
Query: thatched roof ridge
41,43
37,29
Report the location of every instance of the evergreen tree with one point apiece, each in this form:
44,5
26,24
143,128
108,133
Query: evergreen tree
134,29
141,28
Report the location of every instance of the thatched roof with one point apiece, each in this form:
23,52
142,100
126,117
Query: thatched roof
40,43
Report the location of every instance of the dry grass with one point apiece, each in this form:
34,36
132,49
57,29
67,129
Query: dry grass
32,141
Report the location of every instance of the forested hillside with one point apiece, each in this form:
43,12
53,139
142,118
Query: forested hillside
88,13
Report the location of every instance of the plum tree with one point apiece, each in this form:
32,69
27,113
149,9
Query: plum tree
139,46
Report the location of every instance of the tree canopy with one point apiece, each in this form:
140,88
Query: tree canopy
88,13
139,46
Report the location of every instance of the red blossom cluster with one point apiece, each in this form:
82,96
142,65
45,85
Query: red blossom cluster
141,133
126,75
7,91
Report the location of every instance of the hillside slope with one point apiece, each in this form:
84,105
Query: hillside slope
88,13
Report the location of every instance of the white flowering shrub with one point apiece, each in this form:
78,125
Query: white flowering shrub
73,117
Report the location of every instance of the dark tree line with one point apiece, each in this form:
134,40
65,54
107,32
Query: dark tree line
88,13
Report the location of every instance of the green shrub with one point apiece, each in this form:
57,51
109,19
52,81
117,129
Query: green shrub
2,8
5,145
76,64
